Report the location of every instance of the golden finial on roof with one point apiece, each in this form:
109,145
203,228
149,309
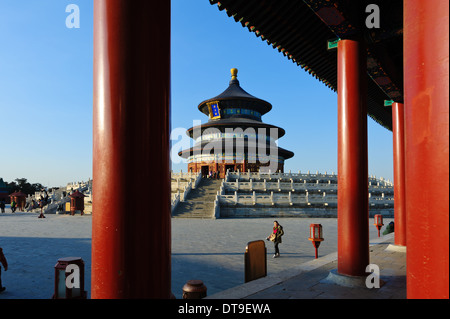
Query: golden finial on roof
234,72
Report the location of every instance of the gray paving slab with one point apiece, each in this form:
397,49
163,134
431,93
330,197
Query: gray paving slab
311,280
217,255
210,250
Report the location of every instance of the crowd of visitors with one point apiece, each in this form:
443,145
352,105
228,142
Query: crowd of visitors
41,202
213,175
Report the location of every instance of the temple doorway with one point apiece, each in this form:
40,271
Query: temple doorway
205,171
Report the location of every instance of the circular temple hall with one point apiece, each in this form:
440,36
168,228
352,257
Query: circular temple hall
235,138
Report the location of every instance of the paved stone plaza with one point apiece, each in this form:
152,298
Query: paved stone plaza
210,250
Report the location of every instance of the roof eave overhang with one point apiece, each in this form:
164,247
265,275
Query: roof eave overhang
300,31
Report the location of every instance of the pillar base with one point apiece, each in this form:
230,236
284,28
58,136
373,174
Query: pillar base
396,248
346,280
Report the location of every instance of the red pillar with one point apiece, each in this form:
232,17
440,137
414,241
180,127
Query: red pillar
426,56
398,133
131,230
353,207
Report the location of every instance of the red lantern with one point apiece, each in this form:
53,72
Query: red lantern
315,235
378,222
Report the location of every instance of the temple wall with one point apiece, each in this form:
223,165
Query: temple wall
261,212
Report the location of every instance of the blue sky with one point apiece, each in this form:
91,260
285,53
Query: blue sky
46,90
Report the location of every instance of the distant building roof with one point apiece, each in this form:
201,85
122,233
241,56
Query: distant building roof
76,194
18,194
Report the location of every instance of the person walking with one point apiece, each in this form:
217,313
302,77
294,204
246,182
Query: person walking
41,205
2,205
275,236
5,265
13,206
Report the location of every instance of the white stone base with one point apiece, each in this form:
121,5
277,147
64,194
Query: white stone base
345,280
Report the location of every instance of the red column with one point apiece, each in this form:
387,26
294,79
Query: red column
426,27
131,230
398,133
353,207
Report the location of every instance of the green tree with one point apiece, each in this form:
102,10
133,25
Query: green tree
21,184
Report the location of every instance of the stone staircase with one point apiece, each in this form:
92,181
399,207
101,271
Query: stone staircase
200,201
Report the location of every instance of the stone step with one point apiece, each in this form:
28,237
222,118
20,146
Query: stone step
200,201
